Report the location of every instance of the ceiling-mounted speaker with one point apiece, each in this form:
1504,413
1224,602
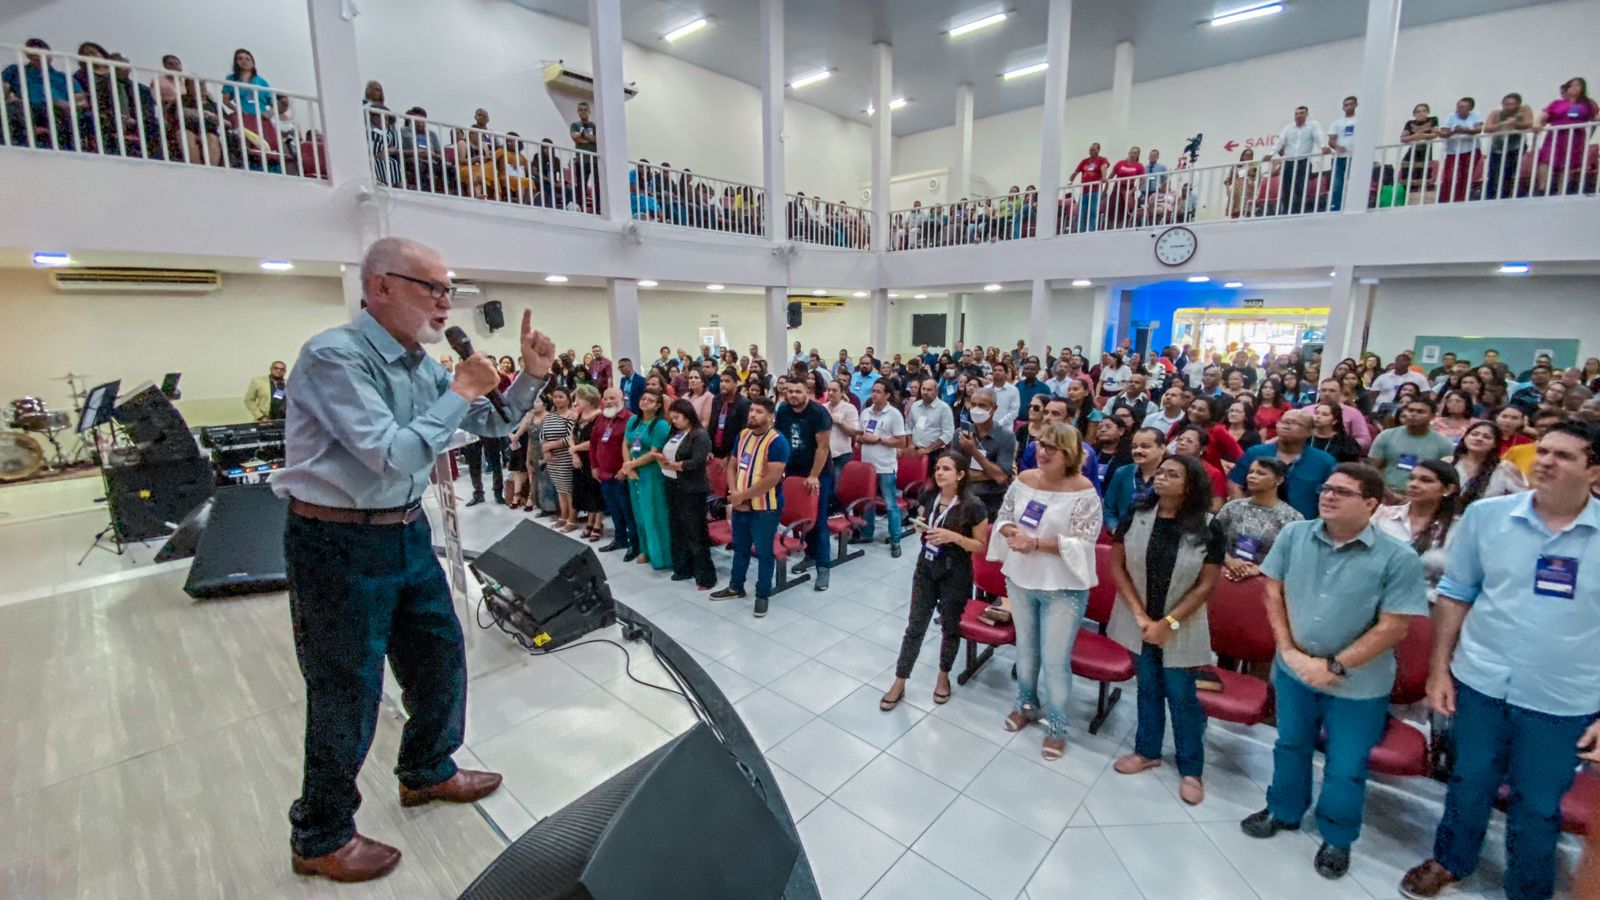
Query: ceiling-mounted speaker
494,315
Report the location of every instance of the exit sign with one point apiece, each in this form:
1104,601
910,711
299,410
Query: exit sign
1254,302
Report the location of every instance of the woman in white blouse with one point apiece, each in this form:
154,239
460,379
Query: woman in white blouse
1044,539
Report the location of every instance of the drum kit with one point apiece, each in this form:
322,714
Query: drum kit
22,456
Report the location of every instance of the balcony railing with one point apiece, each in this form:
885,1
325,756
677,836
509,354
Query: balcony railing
680,197
814,221
1560,160
1006,217
90,104
428,156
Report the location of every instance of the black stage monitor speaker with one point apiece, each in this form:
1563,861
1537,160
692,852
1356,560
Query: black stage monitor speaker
241,547
494,315
795,312
156,426
149,499
545,585
684,822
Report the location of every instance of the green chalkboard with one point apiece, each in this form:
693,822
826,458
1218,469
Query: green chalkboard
1516,353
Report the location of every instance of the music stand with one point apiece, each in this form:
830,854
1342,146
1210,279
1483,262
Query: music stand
169,385
97,406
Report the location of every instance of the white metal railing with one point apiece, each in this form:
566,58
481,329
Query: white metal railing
660,193
1508,165
1005,217
93,104
812,220
419,154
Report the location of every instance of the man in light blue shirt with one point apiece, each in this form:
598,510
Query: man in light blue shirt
1516,661
1340,596
368,411
862,380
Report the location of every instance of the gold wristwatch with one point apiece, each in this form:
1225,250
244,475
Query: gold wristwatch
1172,623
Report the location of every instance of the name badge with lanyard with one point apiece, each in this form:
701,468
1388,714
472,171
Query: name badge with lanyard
1408,461
932,552
1032,514
1556,576
747,457
1247,548
638,446
872,426
277,393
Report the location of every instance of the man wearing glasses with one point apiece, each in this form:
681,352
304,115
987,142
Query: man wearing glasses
368,411
1340,596
1308,467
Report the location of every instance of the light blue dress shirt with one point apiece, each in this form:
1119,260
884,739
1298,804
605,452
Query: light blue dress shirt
366,417
861,386
1534,651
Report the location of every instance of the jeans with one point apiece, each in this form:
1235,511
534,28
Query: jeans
1089,210
888,491
691,542
1047,625
1292,186
358,593
618,505
1497,743
836,465
1336,201
756,529
947,589
817,537
492,450
1504,171
1160,687
1353,727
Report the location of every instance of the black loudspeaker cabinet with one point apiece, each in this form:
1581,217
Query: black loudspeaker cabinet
240,550
156,426
684,822
545,585
149,499
795,313
494,315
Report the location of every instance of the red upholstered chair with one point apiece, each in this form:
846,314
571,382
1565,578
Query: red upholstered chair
1403,749
857,487
717,524
1237,613
1577,804
910,479
1095,656
986,580
799,514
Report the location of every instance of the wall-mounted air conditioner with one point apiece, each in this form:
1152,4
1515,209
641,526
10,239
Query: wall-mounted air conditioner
557,75
125,281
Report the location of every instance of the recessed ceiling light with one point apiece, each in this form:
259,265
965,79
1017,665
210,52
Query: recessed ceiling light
714,287
51,258
896,103
276,265
813,78
556,279
991,287
449,274
976,24
892,295
819,293
1246,13
1233,284
1025,71
683,31
859,294
1081,282
1332,272
919,296
1515,269
647,282
1199,279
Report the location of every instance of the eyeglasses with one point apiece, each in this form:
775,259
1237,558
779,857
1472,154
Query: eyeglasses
1341,492
435,290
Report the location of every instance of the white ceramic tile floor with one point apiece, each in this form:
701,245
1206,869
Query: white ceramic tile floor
865,785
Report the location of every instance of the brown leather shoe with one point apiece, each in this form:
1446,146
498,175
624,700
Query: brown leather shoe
465,786
360,859
1426,880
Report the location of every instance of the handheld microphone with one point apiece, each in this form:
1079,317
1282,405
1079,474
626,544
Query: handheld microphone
462,345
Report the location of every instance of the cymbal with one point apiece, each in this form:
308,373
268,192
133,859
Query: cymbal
73,376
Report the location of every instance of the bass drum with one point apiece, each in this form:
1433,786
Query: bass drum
20,456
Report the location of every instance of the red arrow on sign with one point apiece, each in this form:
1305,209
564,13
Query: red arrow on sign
1231,146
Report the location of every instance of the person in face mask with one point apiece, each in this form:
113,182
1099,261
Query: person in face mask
992,452
605,452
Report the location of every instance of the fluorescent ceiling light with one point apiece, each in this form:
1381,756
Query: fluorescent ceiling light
896,103
1025,71
556,279
1505,269
813,78
714,287
1369,281
991,288
977,24
647,282
1332,272
1199,279
859,294
683,31
1246,13
892,294
276,265
1233,284
819,293
919,296
51,258
1081,282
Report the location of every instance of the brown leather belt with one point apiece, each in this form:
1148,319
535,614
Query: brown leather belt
401,516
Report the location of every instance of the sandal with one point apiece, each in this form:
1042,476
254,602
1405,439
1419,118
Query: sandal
1017,721
941,697
888,703
1054,748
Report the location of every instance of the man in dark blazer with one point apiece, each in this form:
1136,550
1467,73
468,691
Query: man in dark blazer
729,409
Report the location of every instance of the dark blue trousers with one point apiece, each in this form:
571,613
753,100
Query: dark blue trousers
817,547
1352,727
358,593
615,493
1159,688
754,531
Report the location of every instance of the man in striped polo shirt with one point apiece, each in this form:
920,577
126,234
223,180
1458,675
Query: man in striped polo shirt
755,469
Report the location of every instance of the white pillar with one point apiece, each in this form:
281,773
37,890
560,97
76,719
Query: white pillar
882,88
1121,98
772,152
339,85
611,120
880,323
777,330
1098,321
1057,31
961,178
1341,316
1377,69
623,310
952,320
1039,316
350,274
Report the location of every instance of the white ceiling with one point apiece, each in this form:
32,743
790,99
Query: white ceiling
838,35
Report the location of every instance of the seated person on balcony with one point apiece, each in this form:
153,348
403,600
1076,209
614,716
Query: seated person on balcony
1509,124
1297,143
30,99
251,111
1242,181
190,116
1092,170
422,153
111,91
475,148
1563,150
1419,132
1460,131
551,192
513,171
385,145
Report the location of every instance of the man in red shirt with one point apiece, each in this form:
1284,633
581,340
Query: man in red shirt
605,455
1092,169
1128,173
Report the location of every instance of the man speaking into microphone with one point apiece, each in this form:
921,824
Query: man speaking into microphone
368,411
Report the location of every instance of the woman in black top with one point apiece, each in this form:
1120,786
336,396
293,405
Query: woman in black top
683,464
1113,448
586,500
1328,434
956,526
1240,420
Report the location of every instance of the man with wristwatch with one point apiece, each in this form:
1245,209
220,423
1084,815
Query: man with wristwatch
1340,596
